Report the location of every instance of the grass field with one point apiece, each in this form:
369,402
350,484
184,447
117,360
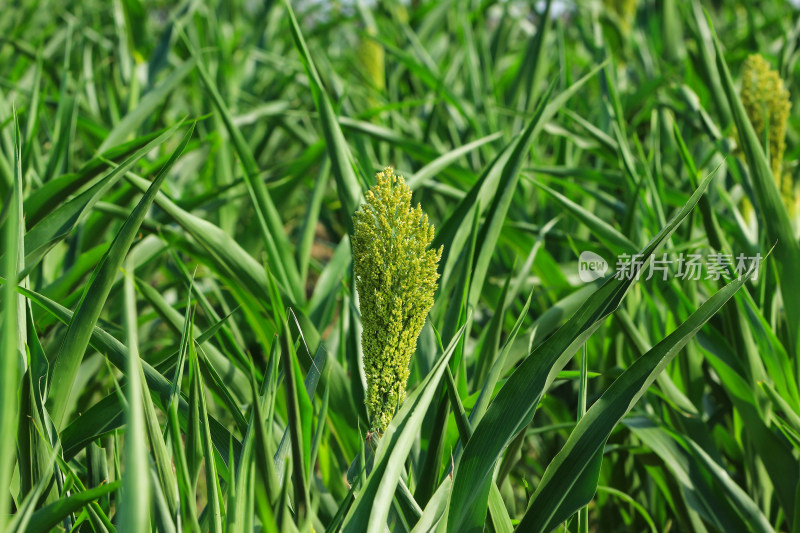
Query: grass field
198,335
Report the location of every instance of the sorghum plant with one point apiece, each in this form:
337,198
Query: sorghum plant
395,279
766,101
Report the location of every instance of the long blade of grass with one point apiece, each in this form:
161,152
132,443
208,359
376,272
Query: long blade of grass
557,495
505,168
371,507
421,177
12,348
60,223
703,485
78,437
42,201
79,333
605,233
135,502
269,220
436,508
522,391
201,447
347,183
146,106
51,515
299,422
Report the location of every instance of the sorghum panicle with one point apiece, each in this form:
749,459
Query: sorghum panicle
625,11
371,56
396,277
767,104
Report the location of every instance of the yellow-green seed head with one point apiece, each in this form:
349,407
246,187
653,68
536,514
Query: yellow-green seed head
371,56
395,279
766,102
624,10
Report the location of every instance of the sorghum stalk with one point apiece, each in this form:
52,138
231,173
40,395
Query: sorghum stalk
395,278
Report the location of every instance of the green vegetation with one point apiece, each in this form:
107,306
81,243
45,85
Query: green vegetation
218,314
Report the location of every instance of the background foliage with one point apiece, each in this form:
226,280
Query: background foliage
180,329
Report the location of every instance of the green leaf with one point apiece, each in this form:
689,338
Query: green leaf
135,502
83,431
371,507
50,515
605,233
44,199
514,406
269,220
299,422
61,222
559,493
199,444
12,321
76,340
147,105
718,499
421,177
347,184
436,508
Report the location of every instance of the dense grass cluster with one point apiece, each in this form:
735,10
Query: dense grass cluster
181,339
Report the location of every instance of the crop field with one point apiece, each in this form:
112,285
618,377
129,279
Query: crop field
367,266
